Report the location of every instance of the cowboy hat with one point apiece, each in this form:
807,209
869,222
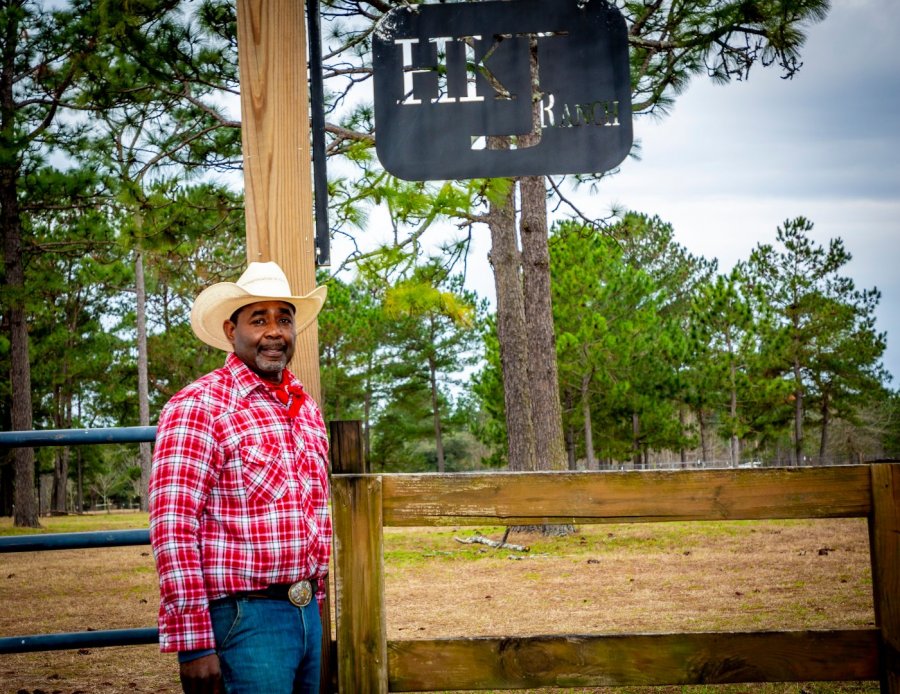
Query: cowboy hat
260,282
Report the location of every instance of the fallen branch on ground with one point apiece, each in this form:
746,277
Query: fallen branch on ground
482,540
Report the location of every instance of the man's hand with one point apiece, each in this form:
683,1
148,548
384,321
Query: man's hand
202,676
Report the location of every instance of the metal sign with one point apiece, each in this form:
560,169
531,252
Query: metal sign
451,77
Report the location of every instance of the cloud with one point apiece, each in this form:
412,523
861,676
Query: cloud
732,162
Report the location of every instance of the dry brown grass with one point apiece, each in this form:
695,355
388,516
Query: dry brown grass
605,579
637,578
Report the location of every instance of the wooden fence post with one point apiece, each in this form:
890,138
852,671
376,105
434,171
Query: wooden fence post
884,534
359,566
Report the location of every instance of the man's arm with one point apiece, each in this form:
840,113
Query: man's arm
185,460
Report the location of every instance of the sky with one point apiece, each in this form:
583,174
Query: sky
731,163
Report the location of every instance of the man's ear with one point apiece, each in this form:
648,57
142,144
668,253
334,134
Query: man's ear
228,328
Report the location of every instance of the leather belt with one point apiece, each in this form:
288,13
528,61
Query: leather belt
300,593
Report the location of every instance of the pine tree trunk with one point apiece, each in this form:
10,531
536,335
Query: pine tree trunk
732,405
534,265
636,441
25,514
704,435
143,381
826,421
546,409
511,332
735,452
798,415
61,462
534,235
367,421
61,480
569,431
367,412
79,484
436,413
588,425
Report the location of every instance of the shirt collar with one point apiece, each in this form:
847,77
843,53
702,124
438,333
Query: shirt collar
246,380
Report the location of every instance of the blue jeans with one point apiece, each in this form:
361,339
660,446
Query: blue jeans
268,646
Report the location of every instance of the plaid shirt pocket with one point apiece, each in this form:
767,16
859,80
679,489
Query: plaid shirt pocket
263,472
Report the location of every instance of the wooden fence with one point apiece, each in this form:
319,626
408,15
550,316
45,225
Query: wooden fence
363,504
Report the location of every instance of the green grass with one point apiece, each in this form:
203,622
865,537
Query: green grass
404,548
116,520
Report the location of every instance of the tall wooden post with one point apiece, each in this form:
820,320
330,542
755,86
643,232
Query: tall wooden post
276,142
278,199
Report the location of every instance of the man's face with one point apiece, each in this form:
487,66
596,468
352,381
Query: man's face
263,337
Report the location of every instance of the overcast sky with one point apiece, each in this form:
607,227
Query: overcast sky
731,163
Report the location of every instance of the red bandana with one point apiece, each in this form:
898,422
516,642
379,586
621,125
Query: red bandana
285,392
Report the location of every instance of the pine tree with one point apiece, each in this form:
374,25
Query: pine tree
828,349
432,337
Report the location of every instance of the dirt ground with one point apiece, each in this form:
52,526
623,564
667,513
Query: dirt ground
604,579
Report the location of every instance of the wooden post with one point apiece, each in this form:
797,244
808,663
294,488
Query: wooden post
276,142
347,450
884,534
359,566
346,456
278,205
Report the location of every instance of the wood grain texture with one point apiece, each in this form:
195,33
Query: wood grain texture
884,534
346,449
277,179
615,497
633,660
359,584
275,135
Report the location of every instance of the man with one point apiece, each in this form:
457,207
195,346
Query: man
239,517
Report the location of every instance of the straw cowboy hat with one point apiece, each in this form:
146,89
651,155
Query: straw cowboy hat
260,282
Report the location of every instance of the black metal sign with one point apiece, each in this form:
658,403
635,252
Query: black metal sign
549,77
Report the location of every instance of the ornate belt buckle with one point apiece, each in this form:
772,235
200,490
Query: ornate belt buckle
300,593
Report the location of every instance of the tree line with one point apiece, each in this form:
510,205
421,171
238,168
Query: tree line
661,358
664,359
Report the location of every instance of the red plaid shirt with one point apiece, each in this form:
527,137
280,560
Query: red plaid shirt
238,498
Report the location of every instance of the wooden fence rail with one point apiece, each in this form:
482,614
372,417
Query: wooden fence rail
364,504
